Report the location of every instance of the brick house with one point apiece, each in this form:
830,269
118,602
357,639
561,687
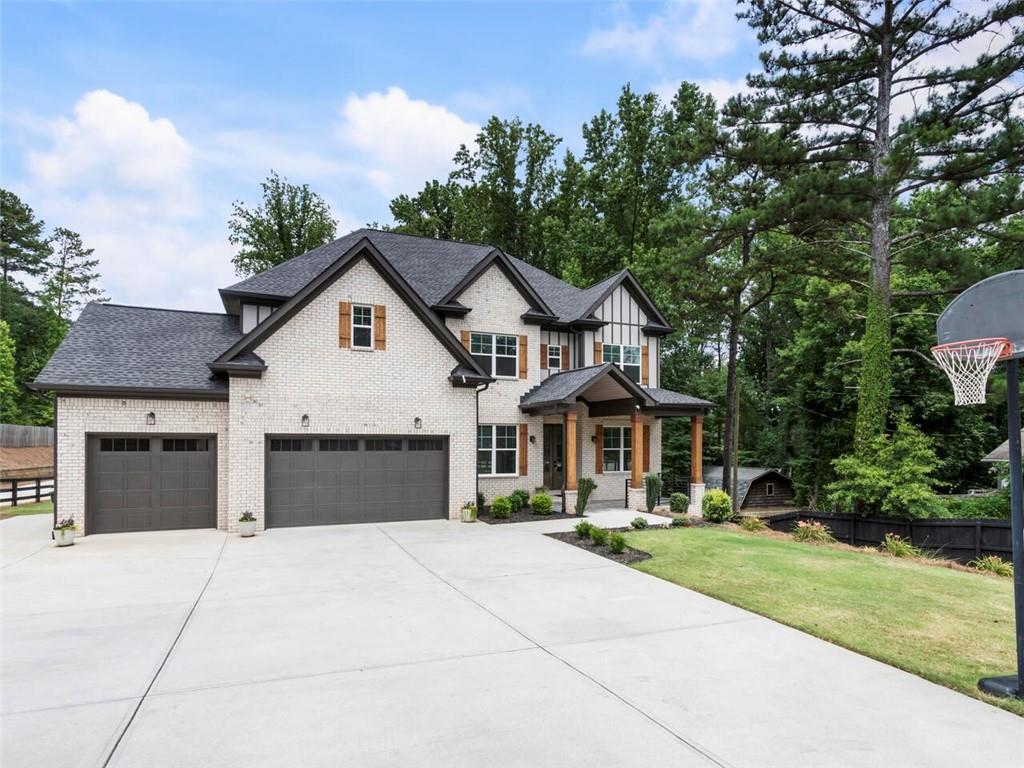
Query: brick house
378,377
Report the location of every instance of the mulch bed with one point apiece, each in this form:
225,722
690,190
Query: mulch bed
522,516
627,557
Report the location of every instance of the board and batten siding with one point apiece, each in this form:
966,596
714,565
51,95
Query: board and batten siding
626,319
559,339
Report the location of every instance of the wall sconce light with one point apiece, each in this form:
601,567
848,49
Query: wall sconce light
417,422
533,439
150,419
305,421
593,438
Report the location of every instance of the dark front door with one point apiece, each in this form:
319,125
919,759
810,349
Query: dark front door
554,457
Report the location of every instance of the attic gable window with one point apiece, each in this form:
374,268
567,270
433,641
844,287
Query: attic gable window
362,326
625,357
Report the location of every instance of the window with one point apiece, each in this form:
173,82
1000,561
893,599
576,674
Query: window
282,444
618,449
769,489
124,444
339,444
179,445
498,355
362,326
554,357
496,449
627,358
383,444
254,314
427,444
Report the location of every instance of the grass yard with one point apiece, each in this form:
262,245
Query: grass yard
948,626
42,508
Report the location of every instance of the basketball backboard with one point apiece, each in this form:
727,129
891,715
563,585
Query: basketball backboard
991,308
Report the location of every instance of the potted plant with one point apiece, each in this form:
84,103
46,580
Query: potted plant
64,532
469,512
247,524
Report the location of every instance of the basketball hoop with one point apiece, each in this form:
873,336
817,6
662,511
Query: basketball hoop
968,364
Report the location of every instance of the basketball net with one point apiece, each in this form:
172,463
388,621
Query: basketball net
968,364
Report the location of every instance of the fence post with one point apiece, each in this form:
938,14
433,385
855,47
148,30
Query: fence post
38,489
853,530
977,538
14,493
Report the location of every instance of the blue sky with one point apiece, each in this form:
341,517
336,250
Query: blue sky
138,124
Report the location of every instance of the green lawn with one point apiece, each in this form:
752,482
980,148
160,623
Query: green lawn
949,626
42,508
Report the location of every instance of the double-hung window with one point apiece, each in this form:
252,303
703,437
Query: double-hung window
554,357
496,449
625,357
362,326
618,449
497,354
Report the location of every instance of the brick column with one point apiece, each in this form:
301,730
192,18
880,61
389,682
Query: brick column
637,481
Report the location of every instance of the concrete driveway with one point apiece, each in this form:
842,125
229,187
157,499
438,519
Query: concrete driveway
433,643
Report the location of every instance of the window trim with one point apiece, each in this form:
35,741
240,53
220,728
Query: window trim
621,450
769,489
354,326
557,350
621,365
493,450
494,354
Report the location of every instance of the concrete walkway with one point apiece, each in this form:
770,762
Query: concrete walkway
430,644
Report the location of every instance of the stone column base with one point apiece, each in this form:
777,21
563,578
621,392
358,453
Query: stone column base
696,498
636,499
570,502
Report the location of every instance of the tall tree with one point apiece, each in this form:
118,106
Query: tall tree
71,274
887,106
291,220
8,384
23,247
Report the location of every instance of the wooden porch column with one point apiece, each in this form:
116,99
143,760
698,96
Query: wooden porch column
697,449
570,451
637,480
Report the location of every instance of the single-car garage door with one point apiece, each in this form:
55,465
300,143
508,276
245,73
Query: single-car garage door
347,479
151,483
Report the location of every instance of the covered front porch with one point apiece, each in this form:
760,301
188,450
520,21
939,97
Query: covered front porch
598,422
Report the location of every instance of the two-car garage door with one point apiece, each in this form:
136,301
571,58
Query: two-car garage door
355,479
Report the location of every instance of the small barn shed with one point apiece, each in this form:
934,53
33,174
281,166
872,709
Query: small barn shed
759,488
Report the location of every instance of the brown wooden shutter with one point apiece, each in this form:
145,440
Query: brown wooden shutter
465,339
524,441
543,357
380,326
565,357
645,366
599,449
597,353
522,357
647,448
345,324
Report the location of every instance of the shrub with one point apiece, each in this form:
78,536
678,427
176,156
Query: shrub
583,529
681,522
678,503
501,508
812,532
652,484
897,546
617,543
541,504
716,506
995,505
753,524
480,500
247,517
68,523
519,499
584,488
993,564
639,523
598,535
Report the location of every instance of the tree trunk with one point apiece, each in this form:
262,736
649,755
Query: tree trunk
735,316
876,374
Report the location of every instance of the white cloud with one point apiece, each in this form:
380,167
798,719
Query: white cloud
405,141
702,30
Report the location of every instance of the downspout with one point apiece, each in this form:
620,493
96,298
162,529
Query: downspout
53,498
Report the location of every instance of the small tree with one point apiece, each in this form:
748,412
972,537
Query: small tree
584,488
652,484
8,384
892,478
71,274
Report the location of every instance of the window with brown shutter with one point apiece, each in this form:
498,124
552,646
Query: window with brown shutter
344,324
522,357
380,326
597,353
523,444
565,357
645,366
599,449
543,357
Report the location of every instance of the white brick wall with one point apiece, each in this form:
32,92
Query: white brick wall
78,416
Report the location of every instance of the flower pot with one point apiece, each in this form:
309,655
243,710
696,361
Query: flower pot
469,514
64,537
247,528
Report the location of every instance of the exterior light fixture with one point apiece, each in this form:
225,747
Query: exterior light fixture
417,422
150,419
533,439
305,421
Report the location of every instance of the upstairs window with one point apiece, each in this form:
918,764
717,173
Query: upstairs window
362,326
625,357
618,449
554,357
497,355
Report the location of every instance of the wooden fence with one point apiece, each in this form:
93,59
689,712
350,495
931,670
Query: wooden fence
955,539
26,490
21,436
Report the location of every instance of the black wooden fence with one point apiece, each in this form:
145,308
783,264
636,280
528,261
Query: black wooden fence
25,490
670,484
961,540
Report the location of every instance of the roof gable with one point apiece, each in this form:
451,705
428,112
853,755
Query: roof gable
497,258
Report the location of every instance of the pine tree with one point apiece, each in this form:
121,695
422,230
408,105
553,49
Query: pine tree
885,107
71,275
8,382
23,247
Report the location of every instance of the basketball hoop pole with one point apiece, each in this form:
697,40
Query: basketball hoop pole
1013,685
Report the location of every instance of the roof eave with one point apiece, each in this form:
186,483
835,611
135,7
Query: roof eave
160,393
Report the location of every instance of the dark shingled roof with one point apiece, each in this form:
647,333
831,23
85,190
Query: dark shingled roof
117,346
668,397
558,386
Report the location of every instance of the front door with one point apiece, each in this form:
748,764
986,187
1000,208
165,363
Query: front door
554,457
